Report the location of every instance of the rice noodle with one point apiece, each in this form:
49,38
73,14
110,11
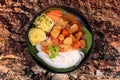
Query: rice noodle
63,59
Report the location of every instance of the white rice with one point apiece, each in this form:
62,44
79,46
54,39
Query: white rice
63,59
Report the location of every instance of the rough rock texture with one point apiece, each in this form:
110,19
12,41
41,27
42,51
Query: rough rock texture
16,64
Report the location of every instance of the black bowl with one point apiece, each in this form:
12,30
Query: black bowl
85,23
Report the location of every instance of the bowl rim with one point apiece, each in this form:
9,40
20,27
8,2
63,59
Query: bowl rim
87,56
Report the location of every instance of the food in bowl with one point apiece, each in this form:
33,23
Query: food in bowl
60,38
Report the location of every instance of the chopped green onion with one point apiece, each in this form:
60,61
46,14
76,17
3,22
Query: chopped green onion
53,50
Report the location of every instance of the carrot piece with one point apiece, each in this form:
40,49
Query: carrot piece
65,32
56,11
55,18
56,14
76,45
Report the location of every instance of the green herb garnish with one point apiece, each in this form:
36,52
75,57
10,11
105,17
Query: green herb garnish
53,50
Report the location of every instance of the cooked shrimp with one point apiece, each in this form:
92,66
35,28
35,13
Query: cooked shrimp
79,35
73,28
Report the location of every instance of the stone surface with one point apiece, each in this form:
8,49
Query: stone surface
60,77
16,64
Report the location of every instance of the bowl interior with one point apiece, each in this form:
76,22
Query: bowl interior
86,28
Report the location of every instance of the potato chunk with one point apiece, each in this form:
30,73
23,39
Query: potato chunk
68,41
61,37
55,31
